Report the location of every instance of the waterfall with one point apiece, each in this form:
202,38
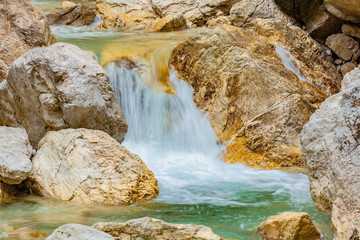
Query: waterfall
178,144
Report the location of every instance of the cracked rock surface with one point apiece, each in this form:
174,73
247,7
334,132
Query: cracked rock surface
88,166
330,146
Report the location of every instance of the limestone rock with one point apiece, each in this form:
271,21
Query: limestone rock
351,30
151,228
78,232
15,154
173,22
71,14
254,103
88,166
330,146
245,11
60,87
126,14
347,67
342,45
347,10
288,226
22,27
68,4
218,21
7,193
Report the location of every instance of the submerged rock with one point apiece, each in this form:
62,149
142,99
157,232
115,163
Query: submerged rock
26,233
22,27
60,87
330,146
15,154
289,226
151,228
71,14
88,166
253,101
78,232
173,22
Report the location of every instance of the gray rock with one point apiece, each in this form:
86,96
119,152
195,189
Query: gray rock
330,146
15,154
88,166
59,87
151,228
78,232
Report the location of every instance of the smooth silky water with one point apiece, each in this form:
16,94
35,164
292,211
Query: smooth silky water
177,143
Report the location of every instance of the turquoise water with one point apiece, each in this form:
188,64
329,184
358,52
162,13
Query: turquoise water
195,185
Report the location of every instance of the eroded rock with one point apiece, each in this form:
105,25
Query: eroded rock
151,228
60,87
289,226
15,154
347,10
22,27
89,166
173,22
78,232
253,101
330,146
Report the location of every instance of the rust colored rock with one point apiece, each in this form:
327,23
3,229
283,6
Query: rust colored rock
342,45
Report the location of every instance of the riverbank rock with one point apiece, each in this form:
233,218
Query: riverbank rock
254,103
343,46
7,193
71,14
15,154
78,232
289,226
173,22
22,27
60,87
330,146
347,10
151,228
26,233
88,166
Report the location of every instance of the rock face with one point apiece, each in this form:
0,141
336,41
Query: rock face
347,10
289,226
342,45
88,166
15,154
141,14
22,27
60,87
330,145
71,14
78,232
151,228
253,101
173,22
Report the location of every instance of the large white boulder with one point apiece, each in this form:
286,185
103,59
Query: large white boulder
78,232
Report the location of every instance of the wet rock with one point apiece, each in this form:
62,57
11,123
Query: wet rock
347,10
347,67
330,146
15,154
88,166
79,232
71,14
26,233
252,100
7,193
218,21
173,22
22,27
351,30
289,226
342,45
151,228
60,87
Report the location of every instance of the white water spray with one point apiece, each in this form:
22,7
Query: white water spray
177,143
